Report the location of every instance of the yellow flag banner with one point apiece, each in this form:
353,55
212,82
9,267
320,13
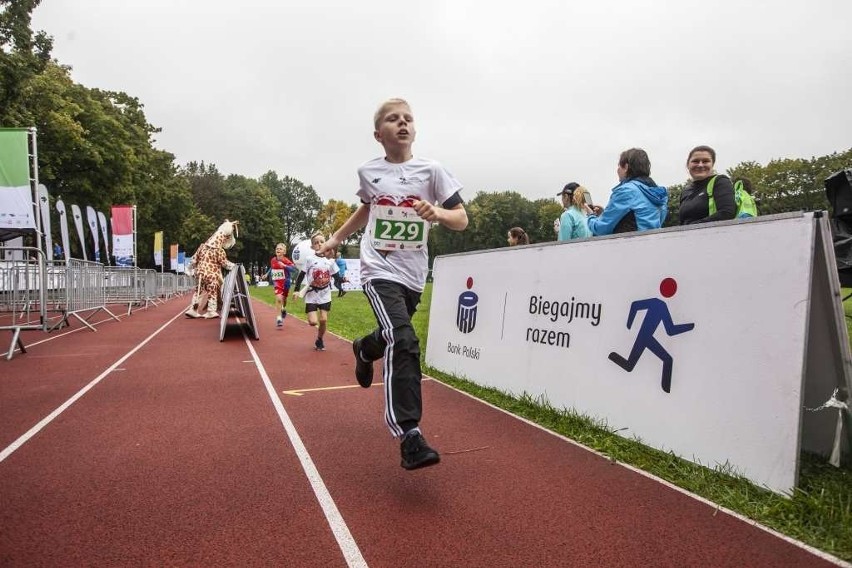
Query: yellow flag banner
158,248
173,257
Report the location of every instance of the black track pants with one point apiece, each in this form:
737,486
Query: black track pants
393,305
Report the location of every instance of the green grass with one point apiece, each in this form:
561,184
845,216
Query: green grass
818,513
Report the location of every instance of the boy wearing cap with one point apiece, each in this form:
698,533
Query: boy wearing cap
572,223
401,192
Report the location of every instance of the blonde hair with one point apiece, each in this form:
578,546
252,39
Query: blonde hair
380,112
578,199
315,235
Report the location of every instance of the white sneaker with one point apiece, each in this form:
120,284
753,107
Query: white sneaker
279,321
210,315
191,313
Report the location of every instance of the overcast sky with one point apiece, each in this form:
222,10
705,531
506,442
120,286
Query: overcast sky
522,96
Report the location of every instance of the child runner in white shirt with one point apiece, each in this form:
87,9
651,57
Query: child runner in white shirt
401,196
317,288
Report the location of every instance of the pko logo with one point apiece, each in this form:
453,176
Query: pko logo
466,312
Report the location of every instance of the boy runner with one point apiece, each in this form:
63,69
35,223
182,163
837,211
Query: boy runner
398,195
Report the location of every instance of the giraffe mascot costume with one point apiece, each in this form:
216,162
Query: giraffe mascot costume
207,264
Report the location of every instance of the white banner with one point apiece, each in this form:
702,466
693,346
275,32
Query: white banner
44,208
78,222
692,340
92,219
353,274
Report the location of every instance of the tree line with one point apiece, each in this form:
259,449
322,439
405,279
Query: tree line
96,147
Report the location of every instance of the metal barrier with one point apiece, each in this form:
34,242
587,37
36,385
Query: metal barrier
167,285
127,285
23,295
86,289
32,289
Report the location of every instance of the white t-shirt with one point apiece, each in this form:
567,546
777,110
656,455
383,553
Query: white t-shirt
385,183
318,273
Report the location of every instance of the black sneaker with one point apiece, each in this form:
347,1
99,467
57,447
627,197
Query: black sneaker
319,345
416,452
363,370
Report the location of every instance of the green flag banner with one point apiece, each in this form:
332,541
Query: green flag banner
16,200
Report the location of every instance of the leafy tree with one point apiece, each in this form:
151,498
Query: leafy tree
445,241
332,216
491,215
163,203
197,228
23,55
96,148
547,211
673,217
299,204
254,206
208,189
791,184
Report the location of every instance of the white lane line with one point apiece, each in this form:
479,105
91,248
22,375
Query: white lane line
49,418
344,538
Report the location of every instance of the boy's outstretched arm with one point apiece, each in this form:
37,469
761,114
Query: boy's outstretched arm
358,220
454,218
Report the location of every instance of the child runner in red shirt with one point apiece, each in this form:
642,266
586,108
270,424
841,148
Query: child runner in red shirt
279,268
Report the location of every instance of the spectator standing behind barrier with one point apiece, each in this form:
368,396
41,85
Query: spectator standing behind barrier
637,203
572,223
340,275
694,201
517,236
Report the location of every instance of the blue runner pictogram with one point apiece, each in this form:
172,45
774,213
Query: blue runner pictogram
657,312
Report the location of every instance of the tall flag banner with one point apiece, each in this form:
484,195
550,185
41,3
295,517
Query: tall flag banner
173,260
103,224
63,229
78,222
44,207
158,248
16,198
92,218
181,262
122,235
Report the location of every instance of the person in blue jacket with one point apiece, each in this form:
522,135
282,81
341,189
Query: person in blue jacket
637,203
340,276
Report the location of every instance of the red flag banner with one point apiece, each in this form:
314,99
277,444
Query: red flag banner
123,235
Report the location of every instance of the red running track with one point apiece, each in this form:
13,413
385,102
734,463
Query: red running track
151,443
